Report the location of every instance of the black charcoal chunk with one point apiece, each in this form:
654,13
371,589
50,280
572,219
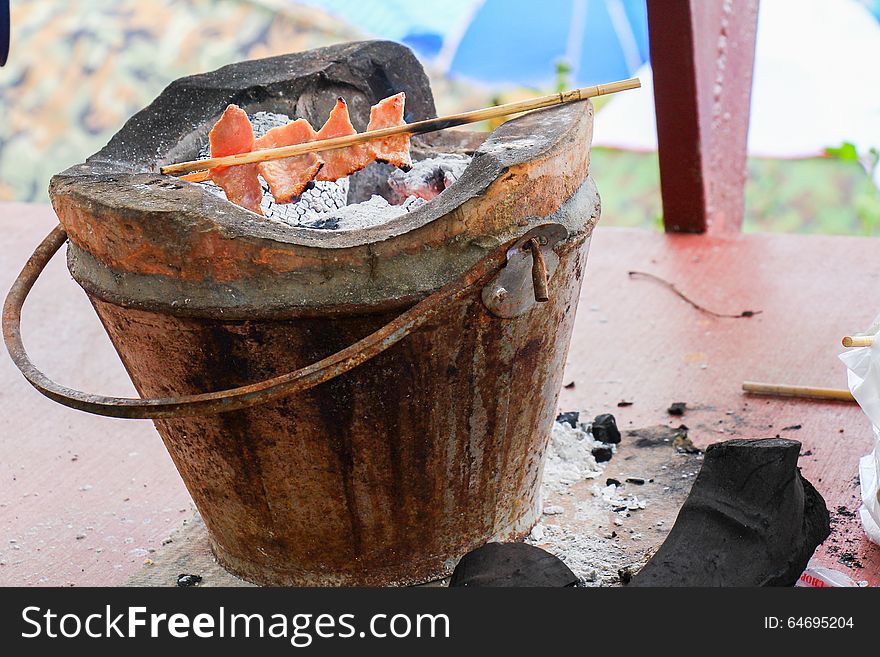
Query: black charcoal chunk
603,453
604,429
330,223
511,565
185,580
751,519
570,418
677,408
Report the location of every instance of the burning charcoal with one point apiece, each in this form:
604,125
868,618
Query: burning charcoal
428,177
603,453
570,418
751,519
604,429
677,408
509,565
184,580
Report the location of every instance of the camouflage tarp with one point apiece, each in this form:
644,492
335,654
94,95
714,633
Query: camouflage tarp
78,69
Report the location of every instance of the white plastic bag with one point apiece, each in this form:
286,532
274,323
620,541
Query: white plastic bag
819,577
863,378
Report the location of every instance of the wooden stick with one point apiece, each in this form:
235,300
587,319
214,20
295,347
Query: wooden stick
419,127
801,392
858,341
197,176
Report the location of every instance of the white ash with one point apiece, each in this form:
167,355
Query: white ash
325,204
570,457
373,212
429,177
621,503
595,558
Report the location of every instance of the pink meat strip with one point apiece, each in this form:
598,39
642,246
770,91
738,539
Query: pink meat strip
288,178
231,135
388,113
342,161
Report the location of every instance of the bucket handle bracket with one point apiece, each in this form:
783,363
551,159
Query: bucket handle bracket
524,281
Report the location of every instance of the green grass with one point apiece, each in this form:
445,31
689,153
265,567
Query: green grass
823,195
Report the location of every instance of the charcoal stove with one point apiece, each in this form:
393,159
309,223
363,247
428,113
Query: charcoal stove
359,406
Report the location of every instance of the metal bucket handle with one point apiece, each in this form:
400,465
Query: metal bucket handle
270,389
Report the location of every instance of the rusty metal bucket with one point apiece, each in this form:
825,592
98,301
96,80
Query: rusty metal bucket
406,376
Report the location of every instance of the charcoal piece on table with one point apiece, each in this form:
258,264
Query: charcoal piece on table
602,453
677,408
511,565
569,417
185,580
604,429
751,519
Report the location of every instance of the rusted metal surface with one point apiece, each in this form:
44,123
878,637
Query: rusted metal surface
385,474
702,55
451,443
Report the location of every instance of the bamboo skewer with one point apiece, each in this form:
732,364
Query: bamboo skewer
418,127
858,340
809,392
801,392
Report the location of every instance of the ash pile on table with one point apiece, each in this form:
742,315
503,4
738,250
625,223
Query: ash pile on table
325,204
597,559
570,456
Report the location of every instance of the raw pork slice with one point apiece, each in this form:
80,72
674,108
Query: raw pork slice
289,177
231,135
388,113
342,161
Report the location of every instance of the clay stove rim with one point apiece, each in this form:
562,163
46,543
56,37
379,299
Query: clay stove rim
108,182
160,197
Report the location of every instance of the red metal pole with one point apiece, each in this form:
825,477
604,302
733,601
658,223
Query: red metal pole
702,54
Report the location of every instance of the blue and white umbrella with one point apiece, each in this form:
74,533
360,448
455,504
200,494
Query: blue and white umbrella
516,42
521,41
